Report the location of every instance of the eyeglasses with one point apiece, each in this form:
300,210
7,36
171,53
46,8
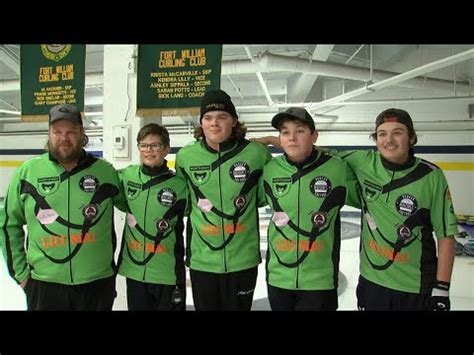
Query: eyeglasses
143,147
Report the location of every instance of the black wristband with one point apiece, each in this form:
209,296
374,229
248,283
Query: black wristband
442,285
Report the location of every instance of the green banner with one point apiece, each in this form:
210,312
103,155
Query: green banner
171,79
51,74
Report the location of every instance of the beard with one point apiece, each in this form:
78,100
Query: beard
69,155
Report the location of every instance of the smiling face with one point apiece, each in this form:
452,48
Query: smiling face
217,127
393,142
66,141
297,140
154,154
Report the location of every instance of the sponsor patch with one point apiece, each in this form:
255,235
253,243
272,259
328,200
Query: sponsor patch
162,224
318,219
403,232
406,205
166,197
280,219
204,205
320,186
239,202
90,211
89,183
47,216
239,172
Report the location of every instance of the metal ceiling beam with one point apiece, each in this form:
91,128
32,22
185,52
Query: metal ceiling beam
278,63
301,84
10,58
421,70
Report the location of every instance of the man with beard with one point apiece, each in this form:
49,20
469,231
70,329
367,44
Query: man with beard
65,197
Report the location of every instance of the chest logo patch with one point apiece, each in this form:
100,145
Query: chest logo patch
239,172
89,183
166,197
48,185
406,205
133,190
371,190
320,186
281,186
200,174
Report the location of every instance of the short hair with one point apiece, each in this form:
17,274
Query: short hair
155,129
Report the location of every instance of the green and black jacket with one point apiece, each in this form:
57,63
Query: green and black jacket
304,235
152,245
223,230
401,207
69,218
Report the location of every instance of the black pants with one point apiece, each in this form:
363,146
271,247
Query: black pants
373,297
291,300
223,292
97,295
142,296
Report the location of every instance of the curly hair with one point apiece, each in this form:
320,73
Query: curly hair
238,132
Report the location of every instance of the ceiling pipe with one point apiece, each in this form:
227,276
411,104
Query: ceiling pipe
397,79
268,62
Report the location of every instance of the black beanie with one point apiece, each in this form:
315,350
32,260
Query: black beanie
394,115
217,100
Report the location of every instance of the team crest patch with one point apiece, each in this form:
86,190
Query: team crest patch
133,190
200,174
89,183
239,202
239,172
320,186
167,197
162,224
55,52
318,219
281,186
90,211
406,205
371,190
48,185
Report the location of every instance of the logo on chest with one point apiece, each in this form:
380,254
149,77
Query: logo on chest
89,183
200,174
281,186
48,185
371,190
320,186
406,205
239,172
166,197
133,190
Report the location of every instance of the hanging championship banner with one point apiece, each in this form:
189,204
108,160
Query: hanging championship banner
51,74
171,79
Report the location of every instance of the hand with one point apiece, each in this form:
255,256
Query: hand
439,300
24,282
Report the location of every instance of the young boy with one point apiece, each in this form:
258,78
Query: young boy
152,255
306,190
